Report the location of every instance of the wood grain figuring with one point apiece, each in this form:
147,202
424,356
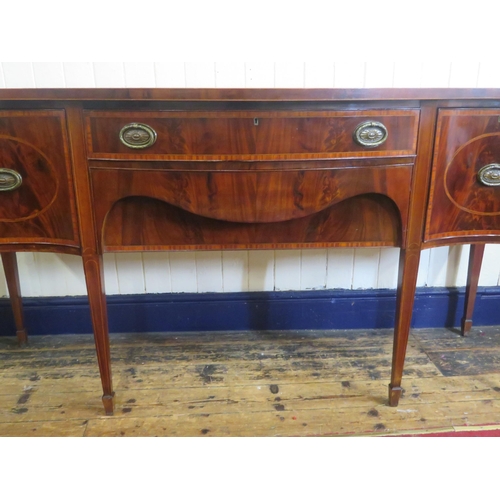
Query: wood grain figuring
392,95
250,197
315,383
244,169
92,255
459,204
474,269
42,209
141,224
9,262
410,256
250,135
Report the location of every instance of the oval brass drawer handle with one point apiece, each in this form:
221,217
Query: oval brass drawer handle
137,135
370,134
9,179
489,175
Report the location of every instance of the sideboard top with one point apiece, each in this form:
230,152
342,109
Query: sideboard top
192,94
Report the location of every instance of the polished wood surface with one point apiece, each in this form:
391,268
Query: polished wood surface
42,209
410,256
234,209
459,205
91,254
245,168
9,262
253,135
253,96
475,261
142,224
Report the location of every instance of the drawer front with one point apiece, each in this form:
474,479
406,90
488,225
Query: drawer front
252,135
36,192
250,209
465,184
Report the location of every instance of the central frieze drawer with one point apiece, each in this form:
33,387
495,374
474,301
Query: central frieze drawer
245,135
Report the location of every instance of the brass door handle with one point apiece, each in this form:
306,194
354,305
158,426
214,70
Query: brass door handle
137,135
9,179
370,134
489,175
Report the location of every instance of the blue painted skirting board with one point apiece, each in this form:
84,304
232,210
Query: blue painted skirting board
322,309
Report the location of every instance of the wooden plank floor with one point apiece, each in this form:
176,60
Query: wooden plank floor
313,383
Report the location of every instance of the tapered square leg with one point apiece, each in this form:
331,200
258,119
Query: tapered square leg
93,268
475,261
407,282
9,262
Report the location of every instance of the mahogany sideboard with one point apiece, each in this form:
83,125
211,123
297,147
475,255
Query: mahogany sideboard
87,171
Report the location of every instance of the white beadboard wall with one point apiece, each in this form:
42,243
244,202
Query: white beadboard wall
236,271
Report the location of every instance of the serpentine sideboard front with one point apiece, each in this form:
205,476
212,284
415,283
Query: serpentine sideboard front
87,171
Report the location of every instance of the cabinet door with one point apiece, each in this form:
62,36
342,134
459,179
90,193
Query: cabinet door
36,186
465,186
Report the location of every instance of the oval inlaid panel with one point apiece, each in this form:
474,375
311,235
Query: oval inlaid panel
461,176
39,181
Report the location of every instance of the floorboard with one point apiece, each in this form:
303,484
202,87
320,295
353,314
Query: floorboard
304,383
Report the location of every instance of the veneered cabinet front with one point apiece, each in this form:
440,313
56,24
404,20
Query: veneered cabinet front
36,187
465,185
251,135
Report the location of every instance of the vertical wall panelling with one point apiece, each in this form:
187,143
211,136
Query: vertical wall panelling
464,74
230,75
18,75
340,267
349,75
437,266
379,75
319,75
200,74
3,286
29,276
43,274
313,269
79,74
261,270
490,268
52,285
157,272
436,74
183,272
170,75
235,271
130,272
489,75
423,268
289,75
366,263
456,266
109,74
388,268
110,274
259,75
49,75
287,270
73,275
407,74
139,75
209,271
